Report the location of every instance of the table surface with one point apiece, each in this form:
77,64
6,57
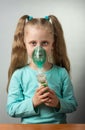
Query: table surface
42,126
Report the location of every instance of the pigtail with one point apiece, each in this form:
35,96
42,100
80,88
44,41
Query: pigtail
19,55
60,52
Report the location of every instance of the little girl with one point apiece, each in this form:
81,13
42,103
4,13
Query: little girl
26,99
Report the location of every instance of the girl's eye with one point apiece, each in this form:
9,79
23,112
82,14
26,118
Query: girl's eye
44,43
33,43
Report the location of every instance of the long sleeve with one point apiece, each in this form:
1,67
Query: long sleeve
17,104
68,102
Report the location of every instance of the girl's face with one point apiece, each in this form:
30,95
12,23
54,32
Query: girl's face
37,36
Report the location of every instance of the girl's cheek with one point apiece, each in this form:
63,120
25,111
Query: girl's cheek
30,52
48,51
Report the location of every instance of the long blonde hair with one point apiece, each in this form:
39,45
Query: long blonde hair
19,57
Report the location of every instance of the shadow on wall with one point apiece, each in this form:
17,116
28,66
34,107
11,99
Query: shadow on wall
79,115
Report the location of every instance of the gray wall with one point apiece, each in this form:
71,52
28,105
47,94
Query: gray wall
71,14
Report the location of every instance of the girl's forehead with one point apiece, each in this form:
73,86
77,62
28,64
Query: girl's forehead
38,27
36,32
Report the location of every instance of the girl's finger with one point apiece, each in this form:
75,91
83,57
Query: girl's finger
43,90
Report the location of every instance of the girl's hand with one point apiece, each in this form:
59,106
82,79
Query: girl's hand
53,101
41,96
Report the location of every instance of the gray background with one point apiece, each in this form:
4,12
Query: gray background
71,14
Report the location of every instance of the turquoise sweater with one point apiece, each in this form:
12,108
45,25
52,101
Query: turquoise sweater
22,87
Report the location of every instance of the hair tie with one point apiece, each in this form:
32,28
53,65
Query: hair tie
47,18
29,18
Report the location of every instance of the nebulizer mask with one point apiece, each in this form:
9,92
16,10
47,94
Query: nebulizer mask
39,58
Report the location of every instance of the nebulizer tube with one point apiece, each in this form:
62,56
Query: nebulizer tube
39,58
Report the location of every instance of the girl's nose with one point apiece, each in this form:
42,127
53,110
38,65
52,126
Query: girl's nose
39,44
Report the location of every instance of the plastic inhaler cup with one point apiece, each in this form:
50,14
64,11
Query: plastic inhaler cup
42,79
39,56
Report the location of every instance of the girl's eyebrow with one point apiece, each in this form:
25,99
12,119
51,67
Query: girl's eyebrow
32,41
36,41
45,41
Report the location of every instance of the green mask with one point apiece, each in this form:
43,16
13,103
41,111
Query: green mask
39,56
